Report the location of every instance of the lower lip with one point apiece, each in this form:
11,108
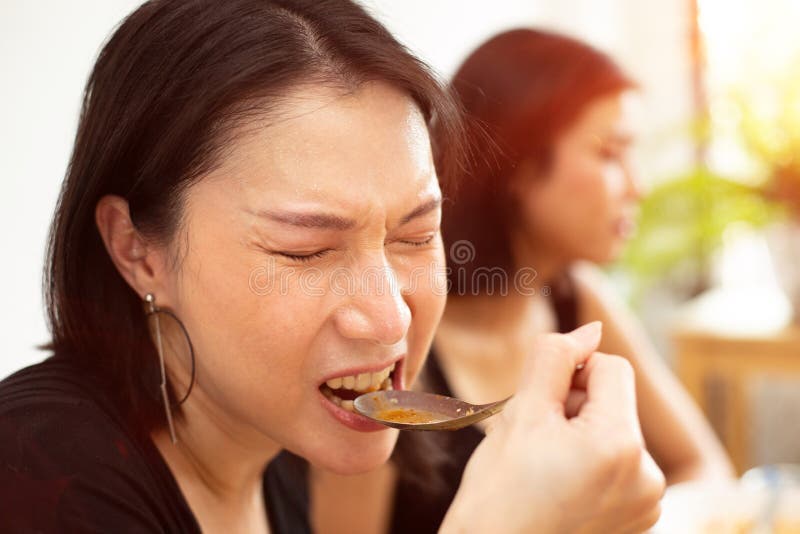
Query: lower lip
359,422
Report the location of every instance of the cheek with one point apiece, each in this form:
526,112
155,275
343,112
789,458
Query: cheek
590,192
250,338
571,207
425,295
614,182
556,208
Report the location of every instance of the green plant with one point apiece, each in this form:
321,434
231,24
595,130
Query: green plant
682,223
769,126
683,220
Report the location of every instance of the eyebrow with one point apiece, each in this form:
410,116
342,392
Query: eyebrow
422,209
309,220
326,221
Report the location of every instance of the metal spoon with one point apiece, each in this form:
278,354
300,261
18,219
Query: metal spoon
415,410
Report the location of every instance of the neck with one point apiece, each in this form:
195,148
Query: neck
522,305
530,252
487,311
215,459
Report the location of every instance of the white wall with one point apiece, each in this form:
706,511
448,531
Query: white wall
47,48
648,37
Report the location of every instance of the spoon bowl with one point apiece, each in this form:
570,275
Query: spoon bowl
415,410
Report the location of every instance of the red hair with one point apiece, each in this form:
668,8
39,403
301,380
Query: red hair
521,89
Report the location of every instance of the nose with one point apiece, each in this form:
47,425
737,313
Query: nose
375,309
633,184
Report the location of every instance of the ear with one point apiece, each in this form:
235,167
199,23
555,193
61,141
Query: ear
139,265
524,180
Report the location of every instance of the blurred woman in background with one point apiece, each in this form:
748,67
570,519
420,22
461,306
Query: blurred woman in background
551,193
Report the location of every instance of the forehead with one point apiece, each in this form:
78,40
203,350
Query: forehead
618,112
365,150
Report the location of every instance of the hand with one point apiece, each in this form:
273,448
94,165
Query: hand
567,453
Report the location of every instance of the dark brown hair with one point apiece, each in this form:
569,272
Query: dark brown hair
167,91
522,88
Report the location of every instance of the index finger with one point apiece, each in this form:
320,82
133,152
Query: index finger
548,372
610,391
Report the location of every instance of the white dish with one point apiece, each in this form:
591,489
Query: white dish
735,508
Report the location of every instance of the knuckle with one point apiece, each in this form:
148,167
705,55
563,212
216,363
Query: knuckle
658,483
622,454
630,454
647,507
620,365
651,494
623,458
651,517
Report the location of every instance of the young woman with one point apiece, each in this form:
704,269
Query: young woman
243,171
551,193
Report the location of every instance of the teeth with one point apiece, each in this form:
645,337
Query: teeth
334,383
347,405
377,380
363,381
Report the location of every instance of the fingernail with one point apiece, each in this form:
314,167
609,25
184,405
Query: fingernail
588,335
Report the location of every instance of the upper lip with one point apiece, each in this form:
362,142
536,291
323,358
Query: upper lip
374,368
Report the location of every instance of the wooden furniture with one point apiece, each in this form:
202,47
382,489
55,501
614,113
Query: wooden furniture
719,370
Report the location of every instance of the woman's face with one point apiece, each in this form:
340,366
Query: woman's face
313,254
583,206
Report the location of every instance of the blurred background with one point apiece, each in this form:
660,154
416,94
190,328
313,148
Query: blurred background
714,271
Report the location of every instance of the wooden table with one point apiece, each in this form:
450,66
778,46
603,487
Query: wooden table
718,369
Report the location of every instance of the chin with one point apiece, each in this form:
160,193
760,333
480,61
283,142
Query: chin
609,257
606,253
367,451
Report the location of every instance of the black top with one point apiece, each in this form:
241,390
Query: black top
420,510
69,462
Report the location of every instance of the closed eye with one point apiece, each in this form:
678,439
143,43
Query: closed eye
418,242
320,253
304,257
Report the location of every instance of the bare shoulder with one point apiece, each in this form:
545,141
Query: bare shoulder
597,298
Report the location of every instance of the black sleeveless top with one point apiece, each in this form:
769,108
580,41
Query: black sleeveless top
419,510
70,462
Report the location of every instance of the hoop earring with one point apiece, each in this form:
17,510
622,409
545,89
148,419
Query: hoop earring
153,311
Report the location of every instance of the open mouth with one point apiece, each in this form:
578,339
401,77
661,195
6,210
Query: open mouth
343,390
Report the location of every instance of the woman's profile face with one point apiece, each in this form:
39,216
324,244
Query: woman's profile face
312,254
584,205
